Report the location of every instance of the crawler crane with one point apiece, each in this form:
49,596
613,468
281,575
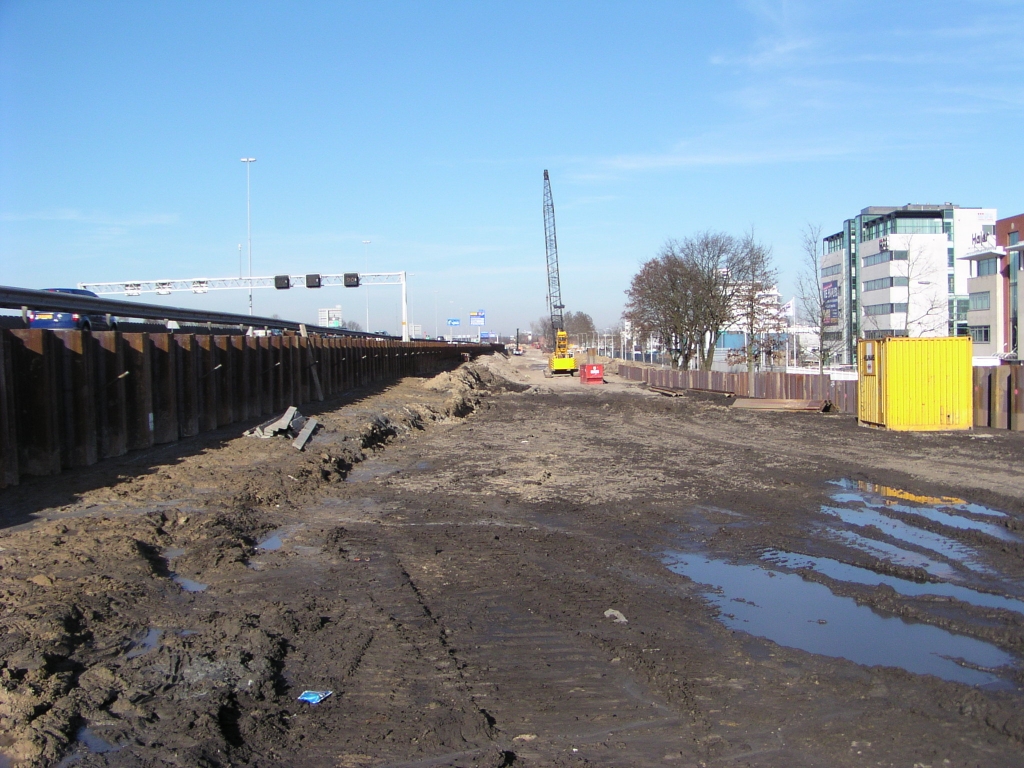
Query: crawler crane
560,361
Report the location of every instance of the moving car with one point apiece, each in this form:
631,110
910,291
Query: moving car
71,321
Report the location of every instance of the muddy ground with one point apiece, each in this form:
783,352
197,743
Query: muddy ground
491,568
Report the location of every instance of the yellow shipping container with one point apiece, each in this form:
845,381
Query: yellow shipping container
915,385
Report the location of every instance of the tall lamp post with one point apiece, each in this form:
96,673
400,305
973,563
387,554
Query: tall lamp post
366,259
248,221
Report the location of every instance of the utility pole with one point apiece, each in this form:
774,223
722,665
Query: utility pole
248,221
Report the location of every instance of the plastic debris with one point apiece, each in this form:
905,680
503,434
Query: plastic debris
611,613
314,697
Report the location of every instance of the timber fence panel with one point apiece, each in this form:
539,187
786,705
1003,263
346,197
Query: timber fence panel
982,392
999,401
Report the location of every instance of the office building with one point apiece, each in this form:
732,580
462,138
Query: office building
896,271
995,293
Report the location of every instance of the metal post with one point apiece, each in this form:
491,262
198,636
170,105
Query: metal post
366,260
248,221
405,310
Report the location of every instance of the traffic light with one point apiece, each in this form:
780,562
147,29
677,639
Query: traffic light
282,281
351,279
313,281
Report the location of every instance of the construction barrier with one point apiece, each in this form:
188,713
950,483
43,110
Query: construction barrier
71,398
770,385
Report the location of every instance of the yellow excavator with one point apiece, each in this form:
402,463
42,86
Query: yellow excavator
560,361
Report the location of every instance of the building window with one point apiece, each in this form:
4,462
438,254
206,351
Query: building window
988,267
949,286
980,300
1014,238
884,256
885,282
980,333
835,269
884,309
950,254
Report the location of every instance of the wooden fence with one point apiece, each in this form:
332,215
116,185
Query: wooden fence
69,399
789,386
998,398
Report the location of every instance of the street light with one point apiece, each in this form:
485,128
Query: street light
366,260
248,221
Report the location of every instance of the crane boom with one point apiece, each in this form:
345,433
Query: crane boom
555,305
561,361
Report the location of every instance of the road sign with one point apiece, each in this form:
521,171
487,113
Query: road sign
477,318
453,321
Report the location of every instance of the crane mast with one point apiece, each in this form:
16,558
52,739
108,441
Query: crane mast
555,305
561,361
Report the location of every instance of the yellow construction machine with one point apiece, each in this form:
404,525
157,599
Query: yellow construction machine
561,361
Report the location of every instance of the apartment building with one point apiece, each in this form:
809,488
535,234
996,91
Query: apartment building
897,271
995,293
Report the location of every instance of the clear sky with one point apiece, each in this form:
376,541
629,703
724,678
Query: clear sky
425,128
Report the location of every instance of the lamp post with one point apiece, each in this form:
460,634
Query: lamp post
366,259
248,221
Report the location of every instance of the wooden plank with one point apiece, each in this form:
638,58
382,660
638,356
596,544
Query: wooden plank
138,390
778,404
164,351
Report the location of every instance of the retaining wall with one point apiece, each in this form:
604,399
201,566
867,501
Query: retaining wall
69,398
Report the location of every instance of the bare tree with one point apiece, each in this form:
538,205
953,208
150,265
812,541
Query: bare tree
820,302
683,296
755,303
351,325
927,302
578,324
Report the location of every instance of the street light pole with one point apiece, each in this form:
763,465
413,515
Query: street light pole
248,221
366,259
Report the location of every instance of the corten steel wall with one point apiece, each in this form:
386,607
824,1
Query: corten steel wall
999,397
783,386
69,399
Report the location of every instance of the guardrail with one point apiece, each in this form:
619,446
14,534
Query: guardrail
26,299
72,398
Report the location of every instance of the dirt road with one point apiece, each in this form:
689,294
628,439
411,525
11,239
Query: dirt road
492,568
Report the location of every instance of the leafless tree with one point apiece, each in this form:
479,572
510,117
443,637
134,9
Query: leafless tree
683,296
927,300
351,325
821,303
755,302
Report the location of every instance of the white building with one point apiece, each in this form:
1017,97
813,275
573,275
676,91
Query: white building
330,317
895,271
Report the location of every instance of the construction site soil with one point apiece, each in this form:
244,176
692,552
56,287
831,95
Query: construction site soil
492,568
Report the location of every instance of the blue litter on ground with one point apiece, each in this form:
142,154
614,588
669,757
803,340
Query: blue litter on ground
314,697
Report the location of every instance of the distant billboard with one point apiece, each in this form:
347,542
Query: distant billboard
830,303
454,321
477,318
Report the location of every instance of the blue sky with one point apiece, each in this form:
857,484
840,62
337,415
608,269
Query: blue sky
425,127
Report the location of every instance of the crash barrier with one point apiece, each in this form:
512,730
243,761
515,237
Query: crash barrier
71,398
771,385
999,397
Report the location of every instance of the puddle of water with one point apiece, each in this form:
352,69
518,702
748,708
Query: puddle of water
885,551
188,632
905,532
796,613
148,643
422,465
173,552
852,573
370,470
947,502
96,744
872,498
271,543
188,584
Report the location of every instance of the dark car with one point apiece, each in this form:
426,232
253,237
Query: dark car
71,321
